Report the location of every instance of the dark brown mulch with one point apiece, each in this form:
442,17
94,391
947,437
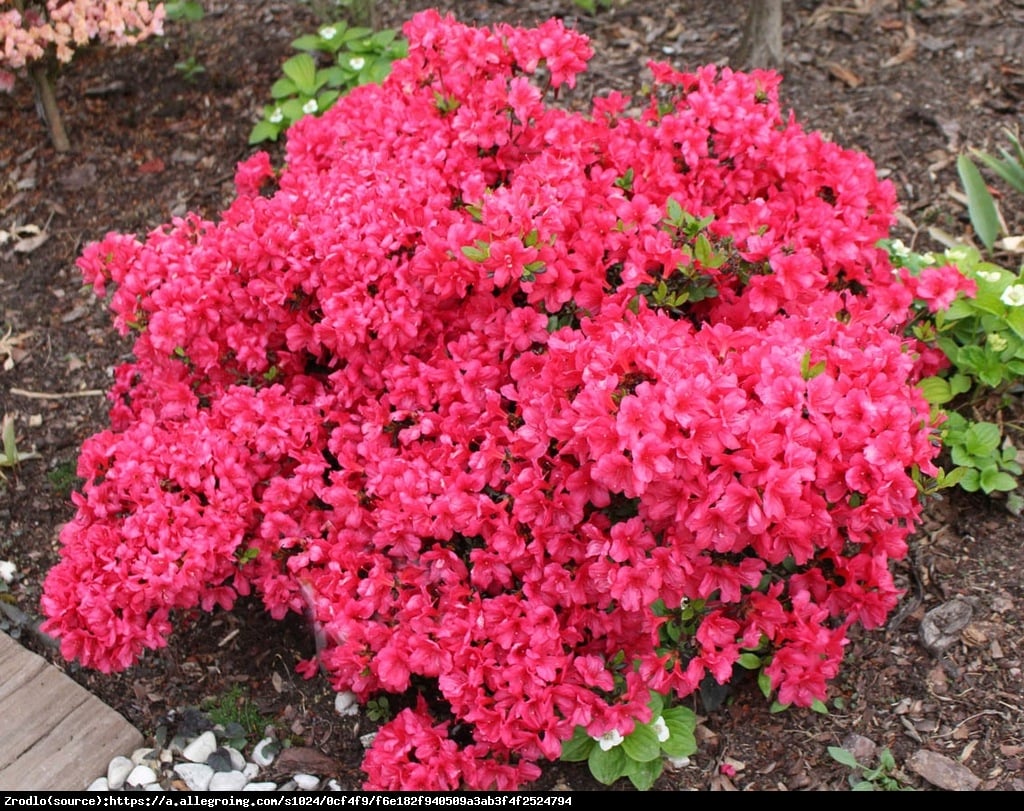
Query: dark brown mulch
911,84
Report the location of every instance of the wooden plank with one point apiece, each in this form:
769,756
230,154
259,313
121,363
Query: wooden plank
57,735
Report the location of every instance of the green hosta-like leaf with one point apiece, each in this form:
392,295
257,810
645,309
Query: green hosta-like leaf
301,69
936,390
608,766
993,479
283,88
642,744
644,775
980,205
578,747
982,438
264,131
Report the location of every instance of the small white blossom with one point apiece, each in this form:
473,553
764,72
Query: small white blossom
660,729
899,248
957,253
988,275
609,740
276,117
328,32
7,570
310,107
1013,296
356,63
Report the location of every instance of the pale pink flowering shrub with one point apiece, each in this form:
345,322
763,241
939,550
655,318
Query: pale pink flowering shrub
464,384
62,26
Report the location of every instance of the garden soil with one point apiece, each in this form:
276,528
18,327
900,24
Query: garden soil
912,84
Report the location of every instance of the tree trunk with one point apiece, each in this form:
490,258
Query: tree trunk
761,46
42,82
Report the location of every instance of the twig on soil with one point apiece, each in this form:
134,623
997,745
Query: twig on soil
65,395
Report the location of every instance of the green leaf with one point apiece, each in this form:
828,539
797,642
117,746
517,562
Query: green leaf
608,766
283,88
301,69
309,42
264,131
1009,168
578,747
993,479
643,775
843,756
980,205
642,744
936,390
749,661
982,438
681,740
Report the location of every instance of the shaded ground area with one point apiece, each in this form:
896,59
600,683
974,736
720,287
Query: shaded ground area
909,83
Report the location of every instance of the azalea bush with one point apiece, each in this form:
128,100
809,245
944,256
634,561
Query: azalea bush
545,416
37,36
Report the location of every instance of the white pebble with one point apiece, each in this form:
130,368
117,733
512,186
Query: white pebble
237,760
307,782
264,752
228,781
119,768
201,748
197,776
346,703
250,770
99,784
141,775
267,786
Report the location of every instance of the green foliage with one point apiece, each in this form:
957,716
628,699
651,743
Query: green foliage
592,6
379,709
640,755
981,204
883,777
187,11
238,715
63,479
983,338
329,64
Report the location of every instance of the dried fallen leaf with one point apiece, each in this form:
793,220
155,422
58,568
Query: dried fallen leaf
907,52
844,74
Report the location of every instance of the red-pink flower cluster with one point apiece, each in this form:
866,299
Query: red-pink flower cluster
464,386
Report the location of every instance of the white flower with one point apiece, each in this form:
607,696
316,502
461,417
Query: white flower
276,117
957,253
7,570
609,740
309,107
899,248
1013,296
328,32
356,63
988,275
660,729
